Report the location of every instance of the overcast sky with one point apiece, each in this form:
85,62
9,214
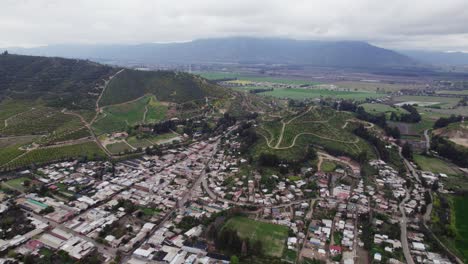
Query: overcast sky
400,24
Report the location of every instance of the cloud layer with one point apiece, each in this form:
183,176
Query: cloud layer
403,24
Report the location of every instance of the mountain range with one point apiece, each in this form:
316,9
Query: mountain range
236,50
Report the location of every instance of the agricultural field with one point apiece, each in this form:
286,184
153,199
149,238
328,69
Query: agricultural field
443,102
376,86
40,120
89,150
8,153
273,237
244,78
311,93
118,117
460,92
289,137
383,108
435,165
415,129
461,225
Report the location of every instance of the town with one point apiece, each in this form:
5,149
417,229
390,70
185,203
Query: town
159,208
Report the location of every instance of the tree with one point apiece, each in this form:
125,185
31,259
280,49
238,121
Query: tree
407,151
234,259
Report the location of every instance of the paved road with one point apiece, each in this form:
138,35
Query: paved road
428,140
404,235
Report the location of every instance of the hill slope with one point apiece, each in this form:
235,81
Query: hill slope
238,50
60,82
177,87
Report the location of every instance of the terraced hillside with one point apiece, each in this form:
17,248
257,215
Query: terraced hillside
288,137
56,109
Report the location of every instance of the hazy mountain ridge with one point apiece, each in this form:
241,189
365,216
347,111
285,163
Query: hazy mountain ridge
237,50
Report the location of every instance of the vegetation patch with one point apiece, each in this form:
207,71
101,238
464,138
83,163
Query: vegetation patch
273,237
435,165
88,150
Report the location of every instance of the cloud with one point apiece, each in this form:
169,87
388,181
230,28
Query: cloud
421,24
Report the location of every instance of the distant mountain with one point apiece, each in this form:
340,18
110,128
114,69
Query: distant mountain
438,58
236,50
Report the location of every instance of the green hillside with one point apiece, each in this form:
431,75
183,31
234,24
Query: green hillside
288,137
177,87
59,82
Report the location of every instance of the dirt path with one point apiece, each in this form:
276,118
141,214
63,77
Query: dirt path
13,116
319,164
98,108
144,114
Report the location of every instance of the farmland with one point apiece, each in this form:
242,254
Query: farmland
273,237
435,165
252,78
118,117
383,108
89,150
443,102
461,225
311,93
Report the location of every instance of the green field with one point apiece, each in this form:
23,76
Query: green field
383,108
298,93
9,153
443,102
16,184
245,77
460,92
89,150
273,237
119,117
317,126
461,225
147,141
435,165
116,148
328,166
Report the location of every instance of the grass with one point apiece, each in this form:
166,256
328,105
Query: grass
435,165
169,86
90,150
16,184
119,117
273,237
151,140
9,153
243,78
461,225
298,93
328,166
444,102
383,108
116,148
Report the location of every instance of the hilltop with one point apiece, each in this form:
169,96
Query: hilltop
60,82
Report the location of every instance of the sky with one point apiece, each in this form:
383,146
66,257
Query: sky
399,24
